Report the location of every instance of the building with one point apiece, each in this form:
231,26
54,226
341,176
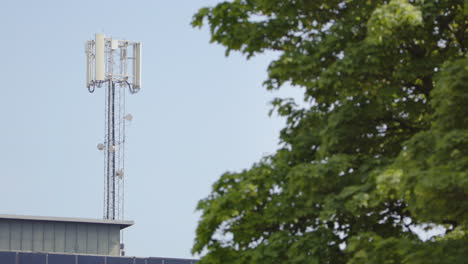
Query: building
48,258
61,235
59,240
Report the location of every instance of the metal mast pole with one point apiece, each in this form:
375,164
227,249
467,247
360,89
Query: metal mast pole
110,211
107,64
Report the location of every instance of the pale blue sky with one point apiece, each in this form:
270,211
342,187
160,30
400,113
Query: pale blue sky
198,115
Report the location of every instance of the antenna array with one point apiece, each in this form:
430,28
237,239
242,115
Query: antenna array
107,66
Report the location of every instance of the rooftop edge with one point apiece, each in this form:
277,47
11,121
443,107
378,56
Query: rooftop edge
122,223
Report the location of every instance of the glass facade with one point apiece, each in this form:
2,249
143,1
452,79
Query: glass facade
44,258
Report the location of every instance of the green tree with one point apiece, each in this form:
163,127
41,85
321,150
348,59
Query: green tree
380,149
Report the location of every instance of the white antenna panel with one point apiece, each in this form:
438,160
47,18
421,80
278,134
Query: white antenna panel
100,58
114,44
89,63
107,60
137,66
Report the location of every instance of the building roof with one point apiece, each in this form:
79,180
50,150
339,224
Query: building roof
122,224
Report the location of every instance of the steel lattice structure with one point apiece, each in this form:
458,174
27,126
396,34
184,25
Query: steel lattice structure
107,66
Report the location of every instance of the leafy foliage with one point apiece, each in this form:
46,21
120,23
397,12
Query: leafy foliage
381,149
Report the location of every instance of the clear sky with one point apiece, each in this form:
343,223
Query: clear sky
198,115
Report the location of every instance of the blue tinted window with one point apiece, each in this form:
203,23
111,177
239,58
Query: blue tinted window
90,260
8,257
43,258
31,258
61,259
169,261
177,261
115,260
154,261
140,261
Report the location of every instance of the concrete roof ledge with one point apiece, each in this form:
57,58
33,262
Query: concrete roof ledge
122,223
